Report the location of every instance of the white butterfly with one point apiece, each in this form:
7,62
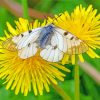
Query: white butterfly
51,40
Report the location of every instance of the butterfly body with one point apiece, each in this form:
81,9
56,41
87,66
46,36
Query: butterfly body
45,36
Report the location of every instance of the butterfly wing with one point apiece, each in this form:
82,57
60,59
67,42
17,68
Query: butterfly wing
68,42
9,45
51,54
28,51
76,46
59,41
26,43
25,38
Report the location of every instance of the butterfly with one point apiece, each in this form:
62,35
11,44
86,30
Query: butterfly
52,41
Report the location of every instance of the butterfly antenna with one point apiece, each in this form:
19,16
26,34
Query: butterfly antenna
53,18
45,17
28,26
56,18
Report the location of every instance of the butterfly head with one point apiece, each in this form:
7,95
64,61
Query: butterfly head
50,27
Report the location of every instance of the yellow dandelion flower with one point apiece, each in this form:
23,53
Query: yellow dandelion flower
29,74
85,25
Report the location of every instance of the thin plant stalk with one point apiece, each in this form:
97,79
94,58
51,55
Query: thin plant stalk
61,92
25,9
76,79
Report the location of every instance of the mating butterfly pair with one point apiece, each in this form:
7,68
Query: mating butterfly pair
51,40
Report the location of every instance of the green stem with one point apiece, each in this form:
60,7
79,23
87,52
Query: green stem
61,92
76,78
25,9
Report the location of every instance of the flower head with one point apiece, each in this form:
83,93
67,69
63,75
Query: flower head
29,74
85,25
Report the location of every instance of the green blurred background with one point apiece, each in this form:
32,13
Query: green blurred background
89,89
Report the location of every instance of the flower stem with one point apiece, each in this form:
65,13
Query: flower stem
61,92
25,9
76,78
